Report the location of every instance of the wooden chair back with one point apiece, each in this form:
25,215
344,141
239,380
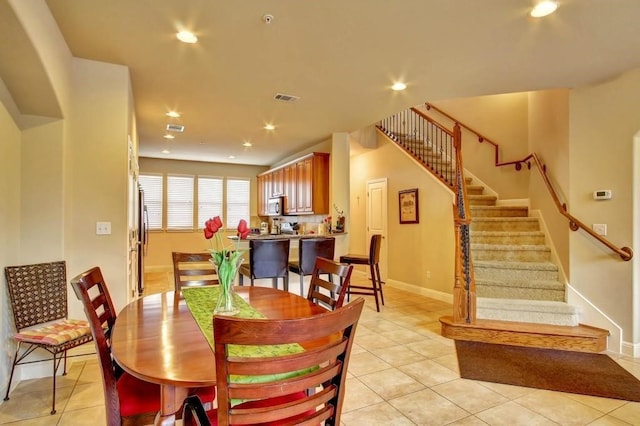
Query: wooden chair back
192,270
326,293
92,291
317,374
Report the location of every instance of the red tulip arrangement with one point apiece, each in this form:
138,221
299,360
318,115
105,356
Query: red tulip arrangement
227,261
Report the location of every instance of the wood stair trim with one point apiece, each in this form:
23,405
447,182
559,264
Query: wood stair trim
581,338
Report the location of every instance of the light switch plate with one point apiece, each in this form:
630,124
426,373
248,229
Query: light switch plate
103,228
600,228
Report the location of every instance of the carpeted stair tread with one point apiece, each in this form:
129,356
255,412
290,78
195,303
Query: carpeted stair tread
544,306
525,284
510,247
507,237
540,266
532,311
501,211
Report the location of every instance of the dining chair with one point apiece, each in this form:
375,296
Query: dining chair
267,259
325,292
38,297
313,388
128,400
308,250
192,270
372,260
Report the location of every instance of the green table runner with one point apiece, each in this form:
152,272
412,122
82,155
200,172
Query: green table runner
201,302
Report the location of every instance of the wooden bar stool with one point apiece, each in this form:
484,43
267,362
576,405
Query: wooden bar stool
371,260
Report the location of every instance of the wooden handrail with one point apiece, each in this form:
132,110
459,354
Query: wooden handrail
481,138
625,253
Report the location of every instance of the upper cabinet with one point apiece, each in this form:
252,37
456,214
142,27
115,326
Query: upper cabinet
304,183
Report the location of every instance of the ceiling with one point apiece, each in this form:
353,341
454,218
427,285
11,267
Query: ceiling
339,57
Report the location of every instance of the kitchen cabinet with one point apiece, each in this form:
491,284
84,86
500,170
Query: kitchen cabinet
290,189
304,183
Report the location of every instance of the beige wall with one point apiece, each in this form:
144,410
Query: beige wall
549,139
604,119
95,167
9,229
412,249
503,119
162,243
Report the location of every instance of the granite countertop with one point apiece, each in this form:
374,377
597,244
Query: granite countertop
290,236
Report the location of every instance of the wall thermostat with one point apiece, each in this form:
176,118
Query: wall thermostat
602,194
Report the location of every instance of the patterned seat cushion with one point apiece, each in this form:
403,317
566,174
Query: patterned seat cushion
56,333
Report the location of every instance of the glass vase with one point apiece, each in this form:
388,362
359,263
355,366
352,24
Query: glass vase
227,271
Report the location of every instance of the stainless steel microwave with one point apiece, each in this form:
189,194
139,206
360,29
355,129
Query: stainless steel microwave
275,206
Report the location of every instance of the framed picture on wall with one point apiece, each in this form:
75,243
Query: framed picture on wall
408,204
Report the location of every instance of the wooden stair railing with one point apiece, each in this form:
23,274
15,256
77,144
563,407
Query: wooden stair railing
439,150
625,253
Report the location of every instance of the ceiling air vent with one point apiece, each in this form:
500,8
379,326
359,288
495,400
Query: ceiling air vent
175,128
285,98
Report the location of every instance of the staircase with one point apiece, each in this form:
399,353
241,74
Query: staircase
515,278
520,300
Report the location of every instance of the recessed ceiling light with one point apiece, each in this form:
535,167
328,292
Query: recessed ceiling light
173,114
232,157
544,8
247,144
168,136
187,37
269,127
398,86
166,151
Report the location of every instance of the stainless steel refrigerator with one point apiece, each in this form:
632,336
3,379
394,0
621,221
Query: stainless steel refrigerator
142,239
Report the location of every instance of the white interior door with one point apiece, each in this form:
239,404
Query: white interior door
377,217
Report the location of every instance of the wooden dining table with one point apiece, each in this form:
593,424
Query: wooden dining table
156,339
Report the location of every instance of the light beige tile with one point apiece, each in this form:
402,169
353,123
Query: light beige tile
79,417
468,421
603,405
84,396
33,404
629,412
469,395
391,383
509,391
358,395
432,348
398,355
428,372
428,408
39,421
365,363
374,341
608,421
449,361
378,414
403,335
510,414
559,408
91,373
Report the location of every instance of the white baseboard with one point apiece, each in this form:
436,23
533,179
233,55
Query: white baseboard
434,294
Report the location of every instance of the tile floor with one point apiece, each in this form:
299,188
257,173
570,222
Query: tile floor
402,372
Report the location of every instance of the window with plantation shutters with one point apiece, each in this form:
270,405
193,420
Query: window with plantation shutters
209,199
152,187
180,202
238,192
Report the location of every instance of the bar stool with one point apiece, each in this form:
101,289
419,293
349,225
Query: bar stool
371,260
309,249
267,259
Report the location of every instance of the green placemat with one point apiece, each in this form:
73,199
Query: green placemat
201,302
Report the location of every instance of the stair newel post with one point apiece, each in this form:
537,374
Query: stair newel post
464,294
